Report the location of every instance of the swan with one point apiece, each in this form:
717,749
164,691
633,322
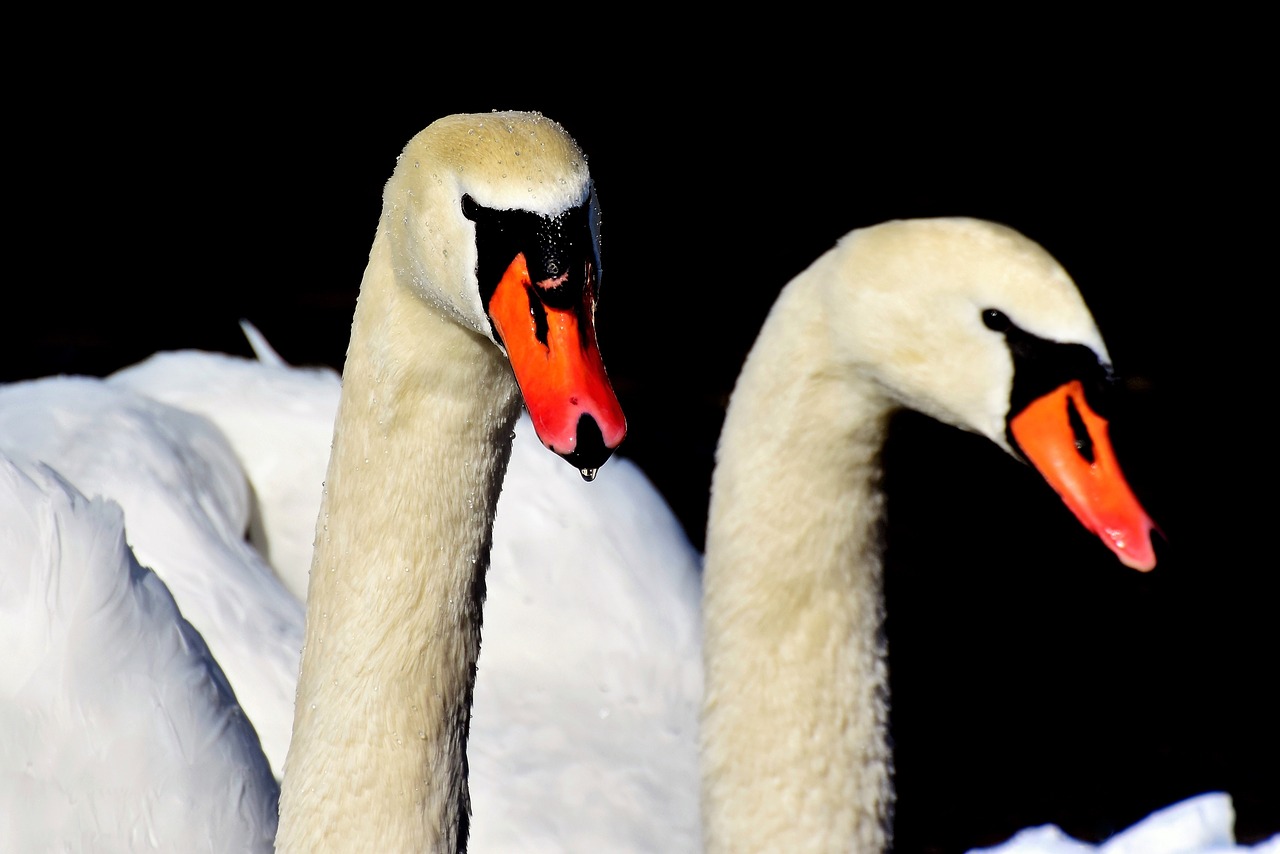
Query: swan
584,721
118,729
479,295
964,320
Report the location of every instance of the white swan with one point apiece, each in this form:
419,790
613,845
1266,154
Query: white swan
487,248
118,730
966,321
585,710
584,720
494,180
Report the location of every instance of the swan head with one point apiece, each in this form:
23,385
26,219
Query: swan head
492,218
978,326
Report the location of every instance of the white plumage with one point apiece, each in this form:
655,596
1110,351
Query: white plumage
187,508
118,730
585,712
584,724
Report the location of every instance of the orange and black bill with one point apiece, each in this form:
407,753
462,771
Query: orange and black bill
1068,443
548,329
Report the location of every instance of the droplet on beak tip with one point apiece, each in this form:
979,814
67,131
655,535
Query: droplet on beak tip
588,474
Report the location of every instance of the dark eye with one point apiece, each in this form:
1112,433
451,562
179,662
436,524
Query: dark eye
470,208
996,320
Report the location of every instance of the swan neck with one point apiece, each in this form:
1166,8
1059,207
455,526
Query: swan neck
794,725
421,444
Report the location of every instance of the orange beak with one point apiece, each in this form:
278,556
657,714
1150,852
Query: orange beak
1068,444
557,363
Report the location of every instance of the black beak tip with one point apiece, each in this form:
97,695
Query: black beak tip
590,451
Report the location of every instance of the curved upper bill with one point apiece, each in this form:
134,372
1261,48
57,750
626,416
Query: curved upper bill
557,363
1068,444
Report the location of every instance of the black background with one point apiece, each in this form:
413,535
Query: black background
159,197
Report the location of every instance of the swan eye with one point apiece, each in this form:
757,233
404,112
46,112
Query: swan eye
470,207
996,320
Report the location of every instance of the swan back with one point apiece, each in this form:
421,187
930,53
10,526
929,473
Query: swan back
584,727
118,730
187,506
279,420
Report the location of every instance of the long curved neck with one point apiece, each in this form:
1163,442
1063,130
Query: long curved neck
421,444
794,750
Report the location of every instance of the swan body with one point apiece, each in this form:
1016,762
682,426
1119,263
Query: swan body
118,729
479,295
584,721
279,420
187,504
966,321
584,726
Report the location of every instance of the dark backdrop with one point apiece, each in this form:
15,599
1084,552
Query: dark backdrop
1034,679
